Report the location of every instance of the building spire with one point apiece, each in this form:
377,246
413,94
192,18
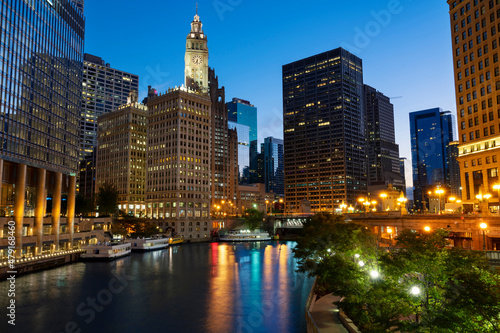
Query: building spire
196,17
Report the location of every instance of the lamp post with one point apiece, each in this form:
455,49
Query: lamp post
383,196
281,202
497,187
484,198
361,201
267,201
439,191
389,231
484,226
343,206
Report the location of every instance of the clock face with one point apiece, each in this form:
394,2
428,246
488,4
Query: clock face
197,60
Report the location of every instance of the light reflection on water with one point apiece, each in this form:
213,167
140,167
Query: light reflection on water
216,287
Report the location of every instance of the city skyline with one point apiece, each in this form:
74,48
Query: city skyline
397,45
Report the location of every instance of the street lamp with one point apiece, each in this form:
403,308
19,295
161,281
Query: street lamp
383,196
267,201
427,228
484,226
343,206
439,191
402,202
389,231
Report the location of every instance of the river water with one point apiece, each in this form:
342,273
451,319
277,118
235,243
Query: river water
208,287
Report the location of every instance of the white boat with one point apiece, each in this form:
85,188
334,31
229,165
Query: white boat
244,236
149,244
106,251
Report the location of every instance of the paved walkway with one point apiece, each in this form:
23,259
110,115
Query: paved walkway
325,314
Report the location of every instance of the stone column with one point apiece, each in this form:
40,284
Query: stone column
56,208
19,199
41,175
70,216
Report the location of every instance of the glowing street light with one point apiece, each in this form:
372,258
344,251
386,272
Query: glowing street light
484,226
389,231
383,196
343,206
415,290
439,191
427,228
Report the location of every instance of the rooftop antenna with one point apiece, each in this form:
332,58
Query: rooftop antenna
196,8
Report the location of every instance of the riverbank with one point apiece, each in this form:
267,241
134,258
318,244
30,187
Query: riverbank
38,263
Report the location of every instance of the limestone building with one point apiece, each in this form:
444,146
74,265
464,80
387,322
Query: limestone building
121,154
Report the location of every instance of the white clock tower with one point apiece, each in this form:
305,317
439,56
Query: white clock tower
196,59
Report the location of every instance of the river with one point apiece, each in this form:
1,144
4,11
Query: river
206,287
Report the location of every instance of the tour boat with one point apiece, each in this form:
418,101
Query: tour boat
176,240
106,251
149,244
244,236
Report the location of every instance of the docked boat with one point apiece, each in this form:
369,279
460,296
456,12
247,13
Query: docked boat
244,236
149,244
175,240
106,251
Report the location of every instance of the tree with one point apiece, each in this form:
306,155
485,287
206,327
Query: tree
253,218
457,291
107,199
83,206
128,225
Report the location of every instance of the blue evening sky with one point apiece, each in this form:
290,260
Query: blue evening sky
407,51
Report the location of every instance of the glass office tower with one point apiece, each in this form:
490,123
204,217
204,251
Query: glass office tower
243,133
431,133
274,176
41,62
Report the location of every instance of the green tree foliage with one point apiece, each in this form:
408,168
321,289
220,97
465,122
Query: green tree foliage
107,199
83,206
134,227
253,218
458,290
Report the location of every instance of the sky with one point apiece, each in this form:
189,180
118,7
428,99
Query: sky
405,46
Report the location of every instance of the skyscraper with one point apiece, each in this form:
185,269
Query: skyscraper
274,169
105,89
41,73
178,161
243,137
191,154
382,150
431,133
324,137
474,30
244,113
121,154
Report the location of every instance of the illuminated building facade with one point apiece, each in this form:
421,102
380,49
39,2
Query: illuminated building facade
324,137
41,65
178,162
105,89
475,32
121,154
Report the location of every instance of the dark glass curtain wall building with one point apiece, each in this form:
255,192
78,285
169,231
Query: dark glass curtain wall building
324,142
41,61
431,133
